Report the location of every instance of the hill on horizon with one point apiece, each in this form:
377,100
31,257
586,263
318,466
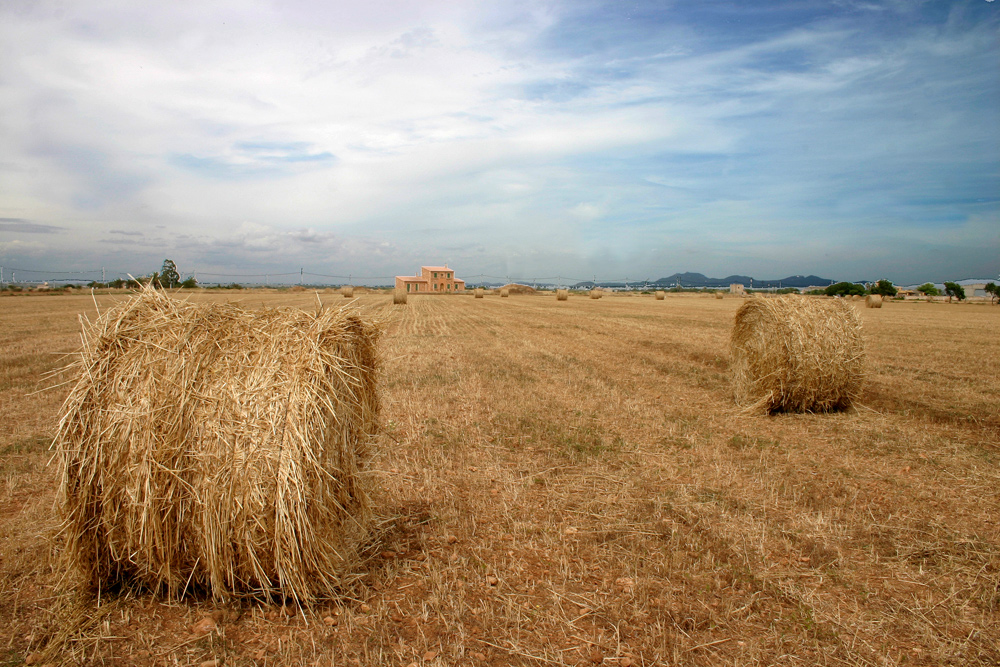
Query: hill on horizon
689,279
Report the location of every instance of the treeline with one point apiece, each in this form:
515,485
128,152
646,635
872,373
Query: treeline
886,289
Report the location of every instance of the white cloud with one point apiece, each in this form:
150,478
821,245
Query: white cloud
266,132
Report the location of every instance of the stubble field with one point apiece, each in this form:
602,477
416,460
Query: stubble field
570,483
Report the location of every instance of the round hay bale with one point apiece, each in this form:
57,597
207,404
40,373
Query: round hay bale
216,448
660,295
873,301
296,288
796,354
479,293
399,296
718,295
504,292
596,293
347,291
562,295
517,288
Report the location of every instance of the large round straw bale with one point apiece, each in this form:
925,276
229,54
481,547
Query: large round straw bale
873,301
562,294
796,354
596,293
660,295
718,295
216,448
479,293
347,291
399,296
505,292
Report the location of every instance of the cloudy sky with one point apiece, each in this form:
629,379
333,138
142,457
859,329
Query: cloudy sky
850,139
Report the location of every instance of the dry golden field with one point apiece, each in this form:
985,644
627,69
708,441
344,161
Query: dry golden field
570,483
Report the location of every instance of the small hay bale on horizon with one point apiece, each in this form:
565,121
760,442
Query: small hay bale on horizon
562,295
873,301
796,354
479,293
596,293
347,291
718,295
505,292
518,289
215,448
660,295
399,296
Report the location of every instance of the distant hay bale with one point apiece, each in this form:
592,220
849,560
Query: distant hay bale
796,354
329,290
596,293
216,448
296,288
562,294
718,295
504,292
517,288
479,293
873,301
347,291
660,295
399,296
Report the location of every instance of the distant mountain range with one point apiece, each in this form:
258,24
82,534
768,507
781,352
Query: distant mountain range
701,280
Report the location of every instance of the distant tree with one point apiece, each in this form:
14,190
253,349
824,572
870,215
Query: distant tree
994,291
190,283
885,288
844,289
954,290
168,274
928,289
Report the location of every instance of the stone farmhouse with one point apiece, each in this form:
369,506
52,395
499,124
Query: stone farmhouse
431,280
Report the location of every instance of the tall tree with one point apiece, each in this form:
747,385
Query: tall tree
954,290
168,274
994,291
885,288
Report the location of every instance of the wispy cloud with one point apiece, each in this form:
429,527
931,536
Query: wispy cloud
22,226
614,137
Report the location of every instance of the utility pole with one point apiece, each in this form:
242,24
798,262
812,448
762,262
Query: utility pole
1,277
300,274
267,280
103,279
